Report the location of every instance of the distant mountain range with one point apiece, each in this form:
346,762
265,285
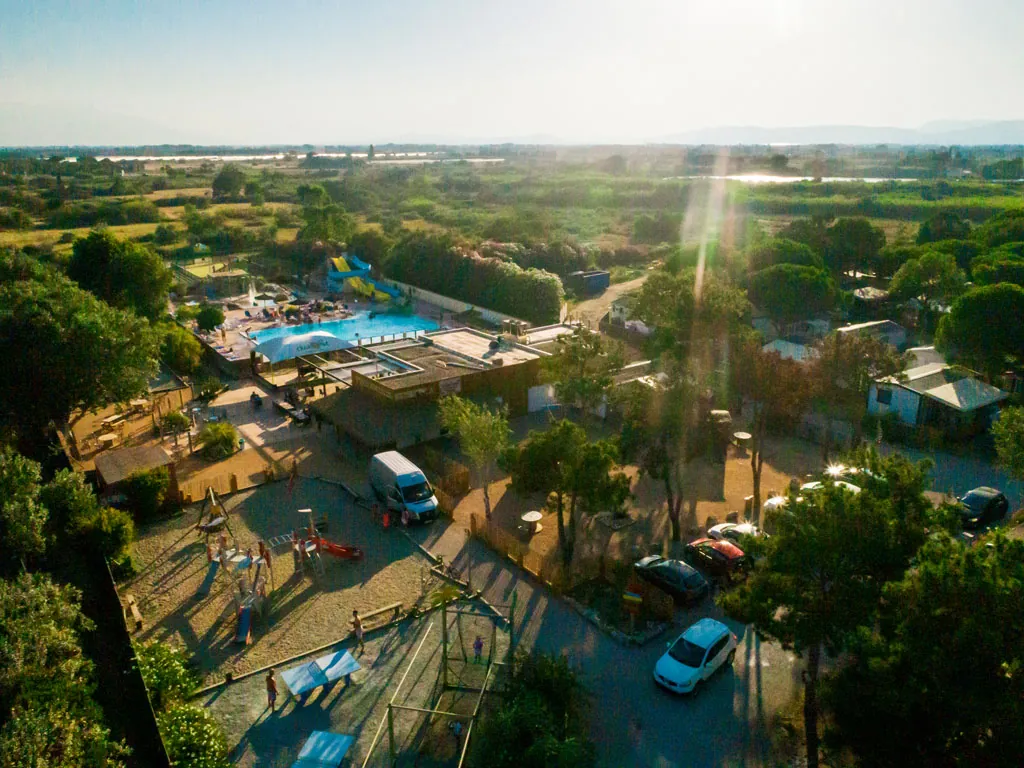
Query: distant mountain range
938,132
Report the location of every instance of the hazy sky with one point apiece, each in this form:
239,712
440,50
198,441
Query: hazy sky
248,71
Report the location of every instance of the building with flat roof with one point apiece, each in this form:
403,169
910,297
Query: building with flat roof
394,404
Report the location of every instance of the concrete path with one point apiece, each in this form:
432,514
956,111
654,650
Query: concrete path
633,721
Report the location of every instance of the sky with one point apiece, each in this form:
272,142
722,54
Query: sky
251,72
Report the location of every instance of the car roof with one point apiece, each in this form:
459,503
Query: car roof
649,560
984,491
727,548
705,632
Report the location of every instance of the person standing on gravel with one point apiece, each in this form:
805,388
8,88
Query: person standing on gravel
271,690
357,628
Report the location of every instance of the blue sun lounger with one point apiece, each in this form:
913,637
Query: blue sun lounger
313,674
324,750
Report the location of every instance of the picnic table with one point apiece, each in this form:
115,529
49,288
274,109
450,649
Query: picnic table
112,420
313,674
107,440
324,750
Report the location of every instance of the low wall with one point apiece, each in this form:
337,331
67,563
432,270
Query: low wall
450,304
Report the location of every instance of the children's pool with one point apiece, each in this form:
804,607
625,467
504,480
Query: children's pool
360,326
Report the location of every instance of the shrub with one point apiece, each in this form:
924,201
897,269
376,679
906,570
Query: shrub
193,738
209,317
219,440
175,422
165,234
167,672
209,388
185,312
110,531
146,492
181,350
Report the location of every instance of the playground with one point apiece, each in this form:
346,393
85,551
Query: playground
403,666
228,581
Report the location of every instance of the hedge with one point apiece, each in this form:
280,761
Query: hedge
434,263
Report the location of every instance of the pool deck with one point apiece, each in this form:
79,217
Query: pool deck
232,341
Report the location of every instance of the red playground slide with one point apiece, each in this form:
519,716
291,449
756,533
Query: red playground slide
338,550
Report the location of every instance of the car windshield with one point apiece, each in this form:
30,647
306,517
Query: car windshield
417,492
974,500
685,652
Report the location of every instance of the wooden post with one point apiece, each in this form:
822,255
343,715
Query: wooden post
393,758
444,645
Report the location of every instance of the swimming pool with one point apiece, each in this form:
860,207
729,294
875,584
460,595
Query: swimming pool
360,326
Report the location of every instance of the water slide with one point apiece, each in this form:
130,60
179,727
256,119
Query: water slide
359,281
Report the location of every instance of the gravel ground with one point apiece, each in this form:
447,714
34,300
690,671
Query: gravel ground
261,738
301,613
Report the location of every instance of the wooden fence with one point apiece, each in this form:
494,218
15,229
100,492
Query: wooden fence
195,490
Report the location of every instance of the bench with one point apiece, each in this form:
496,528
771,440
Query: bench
133,610
284,406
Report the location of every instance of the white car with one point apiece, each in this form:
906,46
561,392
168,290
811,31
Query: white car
733,531
817,485
695,656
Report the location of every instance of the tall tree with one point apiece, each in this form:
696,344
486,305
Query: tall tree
66,350
483,436
1008,433
228,182
853,243
788,292
818,578
690,313
181,350
842,374
944,225
124,274
779,250
658,435
47,712
936,679
983,329
22,517
562,461
583,369
932,276
777,391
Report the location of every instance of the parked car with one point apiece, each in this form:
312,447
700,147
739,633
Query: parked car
719,558
695,655
403,487
817,485
734,532
679,579
982,506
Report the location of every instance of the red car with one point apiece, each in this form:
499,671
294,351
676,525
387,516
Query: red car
717,558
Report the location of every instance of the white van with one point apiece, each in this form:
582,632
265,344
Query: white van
403,487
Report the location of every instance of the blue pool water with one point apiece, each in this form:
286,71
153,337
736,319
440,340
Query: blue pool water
359,326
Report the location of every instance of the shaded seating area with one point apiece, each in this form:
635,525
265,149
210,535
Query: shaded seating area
319,672
323,749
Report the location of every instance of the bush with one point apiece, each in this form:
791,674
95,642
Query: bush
219,440
110,532
185,312
193,738
167,672
209,317
165,234
146,492
209,388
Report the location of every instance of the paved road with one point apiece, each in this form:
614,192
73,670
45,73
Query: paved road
634,722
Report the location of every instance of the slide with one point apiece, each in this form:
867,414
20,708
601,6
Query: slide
211,574
244,633
339,550
359,281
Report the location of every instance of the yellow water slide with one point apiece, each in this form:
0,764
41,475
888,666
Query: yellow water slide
359,285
